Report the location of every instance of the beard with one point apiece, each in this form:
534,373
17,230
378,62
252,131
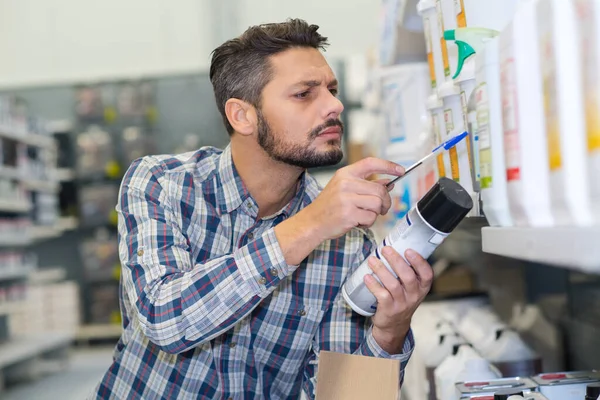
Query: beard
299,155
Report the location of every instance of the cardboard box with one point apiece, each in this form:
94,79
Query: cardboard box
351,377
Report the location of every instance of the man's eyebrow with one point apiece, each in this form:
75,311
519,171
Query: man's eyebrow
315,83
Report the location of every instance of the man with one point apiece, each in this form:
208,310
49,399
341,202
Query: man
233,260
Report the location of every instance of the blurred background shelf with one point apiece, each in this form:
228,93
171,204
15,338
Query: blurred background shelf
14,206
24,348
15,273
577,247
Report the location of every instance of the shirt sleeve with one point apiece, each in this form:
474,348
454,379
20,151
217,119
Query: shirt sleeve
181,304
344,331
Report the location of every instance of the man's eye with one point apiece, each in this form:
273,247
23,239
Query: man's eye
334,92
302,95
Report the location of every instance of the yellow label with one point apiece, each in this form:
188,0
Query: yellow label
429,53
593,124
485,159
438,6
440,165
461,16
552,128
454,163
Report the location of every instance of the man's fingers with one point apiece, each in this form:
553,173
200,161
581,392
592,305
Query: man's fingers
366,188
390,282
421,267
405,273
381,294
371,165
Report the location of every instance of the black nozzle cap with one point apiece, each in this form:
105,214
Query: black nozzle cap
445,205
504,394
592,391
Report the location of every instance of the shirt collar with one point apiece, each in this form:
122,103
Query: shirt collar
232,192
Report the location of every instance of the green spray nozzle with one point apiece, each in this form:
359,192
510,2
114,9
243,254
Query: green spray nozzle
468,41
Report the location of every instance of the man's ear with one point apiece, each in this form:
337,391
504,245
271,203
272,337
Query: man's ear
241,115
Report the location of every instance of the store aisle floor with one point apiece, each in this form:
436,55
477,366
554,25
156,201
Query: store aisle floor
85,369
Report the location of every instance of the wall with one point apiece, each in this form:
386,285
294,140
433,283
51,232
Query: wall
60,41
53,42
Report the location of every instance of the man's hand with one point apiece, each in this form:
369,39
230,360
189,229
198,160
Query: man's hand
398,298
350,200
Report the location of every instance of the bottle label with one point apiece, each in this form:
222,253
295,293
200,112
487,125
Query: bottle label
483,129
453,153
461,16
589,45
510,121
440,18
463,103
428,44
550,92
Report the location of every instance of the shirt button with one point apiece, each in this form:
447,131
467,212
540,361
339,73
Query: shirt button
140,253
249,204
262,280
274,272
232,345
302,313
250,236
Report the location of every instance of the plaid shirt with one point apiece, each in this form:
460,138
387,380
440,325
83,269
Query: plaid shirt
210,308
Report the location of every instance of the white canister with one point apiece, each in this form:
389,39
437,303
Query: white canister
436,109
495,14
492,170
563,99
423,229
431,28
526,155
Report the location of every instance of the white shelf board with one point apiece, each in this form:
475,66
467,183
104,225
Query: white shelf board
64,174
99,331
10,173
47,275
14,241
44,232
16,206
31,139
570,247
26,347
41,186
15,273
11,307
68,223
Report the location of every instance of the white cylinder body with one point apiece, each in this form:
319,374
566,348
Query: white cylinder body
411,232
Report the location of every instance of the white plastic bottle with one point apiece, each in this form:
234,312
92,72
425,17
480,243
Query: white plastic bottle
436,108
486,14
431,29
492,169
588,18
477,369
525,149
423,229
563,99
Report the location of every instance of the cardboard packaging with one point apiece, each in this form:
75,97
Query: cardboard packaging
351,377
566,385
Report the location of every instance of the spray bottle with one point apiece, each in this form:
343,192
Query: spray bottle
464,158
422,229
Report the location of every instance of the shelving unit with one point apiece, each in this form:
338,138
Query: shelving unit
14,206
23,348
575,248
20,273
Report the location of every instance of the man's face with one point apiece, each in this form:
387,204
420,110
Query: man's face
298,123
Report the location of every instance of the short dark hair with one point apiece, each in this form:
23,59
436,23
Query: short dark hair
240,67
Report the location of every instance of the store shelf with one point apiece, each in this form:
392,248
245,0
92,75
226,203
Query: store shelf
9,173
13,274
99,332
30,139
41,186
67,223
14,206
47,275
11,307
24,348
64,174
41,232
576,248
18,241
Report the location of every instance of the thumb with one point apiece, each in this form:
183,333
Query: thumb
371,165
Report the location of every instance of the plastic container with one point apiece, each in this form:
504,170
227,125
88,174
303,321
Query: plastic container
448,371
566,385
423,229
488,14
479,388
588,17
446,21
436,109
505,394
523,123
431,28
492,169
564,112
